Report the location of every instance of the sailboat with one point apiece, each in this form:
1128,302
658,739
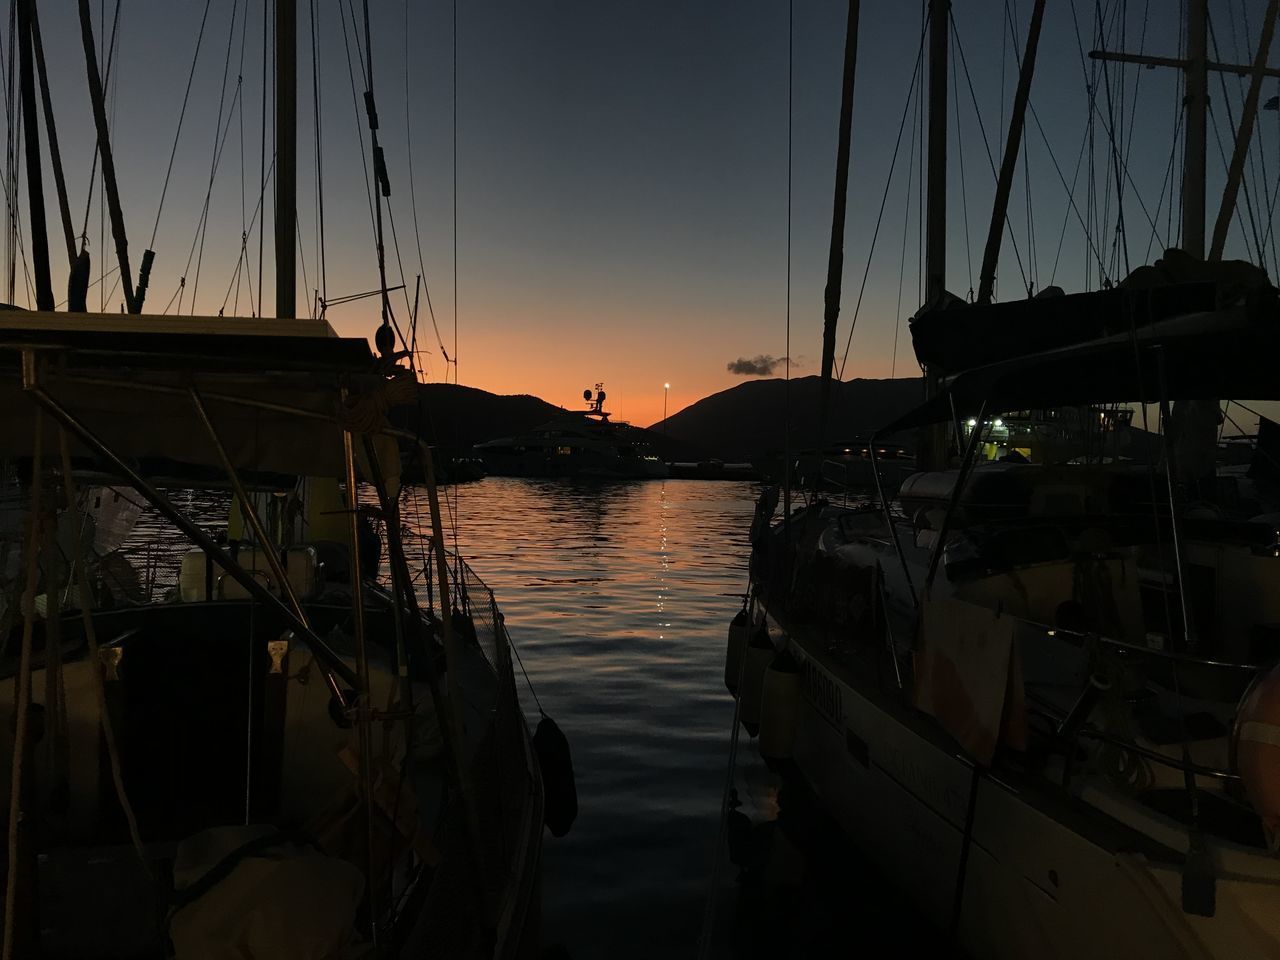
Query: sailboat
1039,687
308,740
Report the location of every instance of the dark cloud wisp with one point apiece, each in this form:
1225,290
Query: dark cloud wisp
758,366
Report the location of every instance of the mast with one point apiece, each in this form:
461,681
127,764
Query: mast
931,453
1244,133
935,250
35,183
835,259
108,161
990,255
286,156
1197,100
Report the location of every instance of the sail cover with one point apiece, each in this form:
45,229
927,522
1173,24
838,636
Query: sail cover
1224,353
274,389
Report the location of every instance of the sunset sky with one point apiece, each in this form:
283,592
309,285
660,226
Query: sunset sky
622,172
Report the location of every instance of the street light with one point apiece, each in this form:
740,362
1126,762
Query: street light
665,388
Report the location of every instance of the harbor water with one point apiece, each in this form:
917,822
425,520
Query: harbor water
618,596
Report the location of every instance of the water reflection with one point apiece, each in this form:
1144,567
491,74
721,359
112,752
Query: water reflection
619,596
636,686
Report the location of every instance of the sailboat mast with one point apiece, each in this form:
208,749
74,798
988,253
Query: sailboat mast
835,257
935,250
931,452
1197,101
286,156
35,185
1004,183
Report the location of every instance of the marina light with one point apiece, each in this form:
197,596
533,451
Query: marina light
998,424
973,423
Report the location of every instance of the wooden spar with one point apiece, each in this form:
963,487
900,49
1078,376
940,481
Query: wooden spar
286,156
835,259
31,138
55,155
108,162
1244,134
1197,100
1013,141
932,441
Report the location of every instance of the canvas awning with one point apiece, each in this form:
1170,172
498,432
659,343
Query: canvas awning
273,388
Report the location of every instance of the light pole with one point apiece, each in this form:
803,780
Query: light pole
665,387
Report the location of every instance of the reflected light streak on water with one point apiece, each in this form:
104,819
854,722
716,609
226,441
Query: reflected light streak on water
636,685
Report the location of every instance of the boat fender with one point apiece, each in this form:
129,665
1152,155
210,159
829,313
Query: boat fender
779,704
758,656
559,790
739,630
1257,751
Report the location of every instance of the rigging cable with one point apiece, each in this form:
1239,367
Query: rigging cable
1116,160
384,337
323,292
241,264
1244,185
413,202
906,109
906,220
110,54
173,152
455,191
964,202
217,147
986,142
786,416
268,57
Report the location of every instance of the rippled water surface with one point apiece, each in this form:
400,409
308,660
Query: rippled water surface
619,596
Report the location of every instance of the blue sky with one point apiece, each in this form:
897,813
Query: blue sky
622,182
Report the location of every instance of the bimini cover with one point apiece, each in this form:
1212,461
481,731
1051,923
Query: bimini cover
278,392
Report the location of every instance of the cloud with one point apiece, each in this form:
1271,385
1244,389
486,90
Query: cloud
759,366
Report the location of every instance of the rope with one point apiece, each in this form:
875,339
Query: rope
173,152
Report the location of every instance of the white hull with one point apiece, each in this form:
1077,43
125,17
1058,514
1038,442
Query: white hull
1046,875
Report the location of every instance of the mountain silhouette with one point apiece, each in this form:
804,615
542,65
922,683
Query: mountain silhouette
748,420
